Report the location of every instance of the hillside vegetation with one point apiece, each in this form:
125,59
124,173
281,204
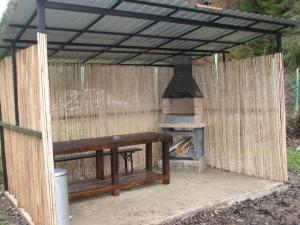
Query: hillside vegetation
291,37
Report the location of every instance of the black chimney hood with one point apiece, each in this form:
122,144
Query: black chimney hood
182,84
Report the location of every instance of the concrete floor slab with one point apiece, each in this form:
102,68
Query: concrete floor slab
157,203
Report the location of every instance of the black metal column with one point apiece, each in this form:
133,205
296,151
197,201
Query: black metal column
279,42
15,80
41,16
3,154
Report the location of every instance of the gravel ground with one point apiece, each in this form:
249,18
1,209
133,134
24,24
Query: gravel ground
9,215
276,209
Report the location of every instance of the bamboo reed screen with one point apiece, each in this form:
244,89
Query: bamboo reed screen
244,110
26,167
245,116
99,101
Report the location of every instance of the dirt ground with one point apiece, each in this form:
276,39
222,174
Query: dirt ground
8,214
276,209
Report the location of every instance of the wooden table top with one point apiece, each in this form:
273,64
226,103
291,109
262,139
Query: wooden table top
92,144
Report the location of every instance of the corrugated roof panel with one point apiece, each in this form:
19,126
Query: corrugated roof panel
2,51
101,61
214,46
67,19
195,53
182,44
72,55
197,57
168,61
2,43
127,50
105,39
60,36
256,16
240,36
109,57
144,58
178,3
79,21
168,29
233,21
120,24
50,52
194,16
267,26
207,33
24,10
54,46
11,33
143,42
85,48
133,7
164,52
63,60
94,3
19,45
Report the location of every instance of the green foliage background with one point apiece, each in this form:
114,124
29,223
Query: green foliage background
291,37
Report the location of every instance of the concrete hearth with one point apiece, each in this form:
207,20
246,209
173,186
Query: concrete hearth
186,165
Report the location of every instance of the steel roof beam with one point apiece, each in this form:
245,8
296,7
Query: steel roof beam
180,38
113,51
105,46
114,12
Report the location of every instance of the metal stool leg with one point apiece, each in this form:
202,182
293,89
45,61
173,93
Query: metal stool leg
124,156
131,162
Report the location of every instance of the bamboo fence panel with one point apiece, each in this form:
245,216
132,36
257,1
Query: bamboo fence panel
26,167
102,100
245,116
6,91
244,111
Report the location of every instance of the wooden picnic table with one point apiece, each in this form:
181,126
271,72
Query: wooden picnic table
116,182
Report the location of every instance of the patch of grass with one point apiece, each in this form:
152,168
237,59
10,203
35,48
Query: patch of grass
2,222
294,161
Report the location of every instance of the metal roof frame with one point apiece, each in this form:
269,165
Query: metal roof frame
170,17
121,13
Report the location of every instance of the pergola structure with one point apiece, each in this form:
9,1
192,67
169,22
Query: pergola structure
146,32
110,32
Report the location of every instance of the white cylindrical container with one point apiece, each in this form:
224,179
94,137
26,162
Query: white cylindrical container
62,197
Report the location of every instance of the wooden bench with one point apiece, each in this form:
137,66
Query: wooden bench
125,153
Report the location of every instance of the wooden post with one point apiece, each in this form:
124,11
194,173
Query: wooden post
99,165
115,170
165,161
5,181
149,156
48,178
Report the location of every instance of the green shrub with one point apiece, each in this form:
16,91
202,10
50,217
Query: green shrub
294,161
